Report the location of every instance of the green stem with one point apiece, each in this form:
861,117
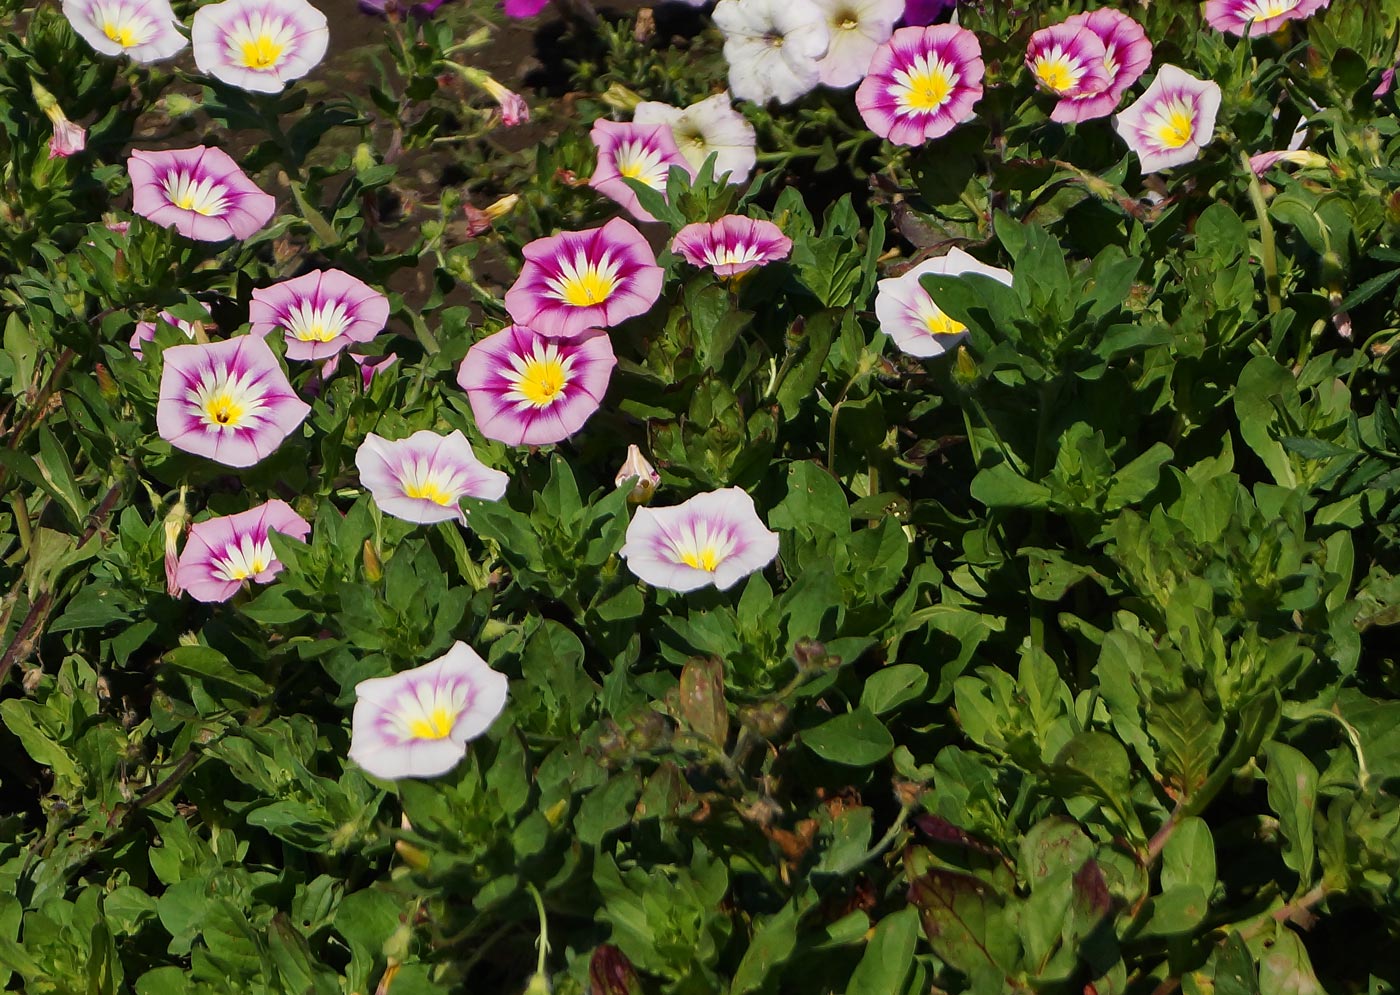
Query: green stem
1268,251
544,927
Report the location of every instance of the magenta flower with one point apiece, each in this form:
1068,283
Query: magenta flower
145,30
424,477
200,192
578,280
909,315
418,723
146,330
1258,17
919,13
1170,123
731,245
259,45
224,553
227,401
714,538
529,390
1068,61
921,84
372,366
644,152
1127,52
524,8
68,139
319,313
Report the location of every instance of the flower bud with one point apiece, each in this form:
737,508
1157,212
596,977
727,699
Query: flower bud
619,98
644,476
964,368
363,158
765,719
174,528
412,856
179,105
107,384
374,567
809,654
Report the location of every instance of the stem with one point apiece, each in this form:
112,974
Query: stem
544,927
1268,252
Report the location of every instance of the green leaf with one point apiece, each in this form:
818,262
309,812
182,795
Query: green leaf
815,502
1189,857
772,944
207,663
884,967
18,717
1000,486
892,686
856,738
1292,781
962,919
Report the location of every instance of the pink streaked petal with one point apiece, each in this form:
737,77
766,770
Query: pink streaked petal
721,523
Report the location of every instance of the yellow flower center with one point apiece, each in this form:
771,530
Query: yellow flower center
244,560
1176,125
542,380
224,410
925,85
428,489
706,558
848,21
309,323
1055,73
436,724
261,52
119,33
939,323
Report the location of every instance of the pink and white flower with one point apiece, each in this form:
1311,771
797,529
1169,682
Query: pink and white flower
772,47
731,245
856,28
199,191
222,554
529,390
909,315
259,45
1127,53
1264,161
1172,121
423,478
707,127
144,30
319,313
714,538
578,280
372,366
1068,61
922,83
1258,17
146,330
418,723
227,401
644,152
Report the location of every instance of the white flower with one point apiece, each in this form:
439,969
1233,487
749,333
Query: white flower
857,28
709,127
772,47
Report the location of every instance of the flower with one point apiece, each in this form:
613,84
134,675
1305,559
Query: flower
1170,122
418,723
146,330
529,390
524,8
707,127
223,553
636,468
714,538
909,315
228,401
922,83
1069,61
578,280
145,30
772,47
200,192
918,13
422,478
644,152
856,28
68,138
1127,52
1264,161
514,110
731,245
1258,17
372,366
320,313
259,45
